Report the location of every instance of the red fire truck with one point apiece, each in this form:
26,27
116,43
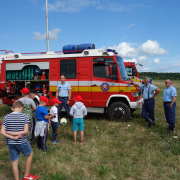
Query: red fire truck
132,71
98,75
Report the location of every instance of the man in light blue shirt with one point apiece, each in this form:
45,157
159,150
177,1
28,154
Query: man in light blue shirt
63,93
169,98
149,92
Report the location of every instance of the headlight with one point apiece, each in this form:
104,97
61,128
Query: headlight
135,94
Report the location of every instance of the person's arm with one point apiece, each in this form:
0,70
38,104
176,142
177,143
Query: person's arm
135,84
57,93
156,93
34,108
84,111
48,117
69,98
4,133
71,111
25,131
173,100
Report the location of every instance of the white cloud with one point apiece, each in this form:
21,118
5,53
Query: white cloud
151,48
142,58
52,35
133,53
169,67
70,5
156,61
77,5
129,26
34,2
125,50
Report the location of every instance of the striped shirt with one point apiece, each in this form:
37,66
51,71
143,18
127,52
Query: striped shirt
14,122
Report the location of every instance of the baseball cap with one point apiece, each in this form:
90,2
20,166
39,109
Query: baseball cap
55,100
44,99
78,98
25,90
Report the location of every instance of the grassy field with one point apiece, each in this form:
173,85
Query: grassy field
122,151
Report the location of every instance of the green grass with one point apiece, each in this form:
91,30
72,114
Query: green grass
111,150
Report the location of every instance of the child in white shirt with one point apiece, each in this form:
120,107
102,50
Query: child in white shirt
54,120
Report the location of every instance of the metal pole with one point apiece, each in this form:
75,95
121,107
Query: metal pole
47,29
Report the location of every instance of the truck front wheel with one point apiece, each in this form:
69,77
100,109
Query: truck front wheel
119,111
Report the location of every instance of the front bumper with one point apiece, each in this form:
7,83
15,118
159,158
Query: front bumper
137,104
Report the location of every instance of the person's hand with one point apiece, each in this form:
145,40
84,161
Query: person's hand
171,105
68,102
130,82
18,136
152,97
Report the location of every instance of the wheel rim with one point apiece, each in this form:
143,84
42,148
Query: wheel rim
118,117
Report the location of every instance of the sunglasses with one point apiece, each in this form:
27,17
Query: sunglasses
166,82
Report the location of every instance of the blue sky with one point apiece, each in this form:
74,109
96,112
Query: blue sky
144,31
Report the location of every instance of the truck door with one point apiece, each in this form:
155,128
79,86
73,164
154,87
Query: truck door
102,85
84,79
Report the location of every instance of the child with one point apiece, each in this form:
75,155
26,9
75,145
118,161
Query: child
15,128
34,97
78,111
54,120
42,123
29,106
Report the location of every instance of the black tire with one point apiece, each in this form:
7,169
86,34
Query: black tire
2,93
122,108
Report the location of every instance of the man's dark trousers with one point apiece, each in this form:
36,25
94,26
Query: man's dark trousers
66,106
170,113
148,108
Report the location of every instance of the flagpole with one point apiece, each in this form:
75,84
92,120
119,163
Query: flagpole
47,30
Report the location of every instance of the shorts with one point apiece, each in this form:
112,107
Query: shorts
79,122
15,149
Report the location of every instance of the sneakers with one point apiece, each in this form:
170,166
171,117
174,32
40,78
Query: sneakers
55,142
82,142
30,177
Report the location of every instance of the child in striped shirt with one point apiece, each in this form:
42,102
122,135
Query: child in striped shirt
15,128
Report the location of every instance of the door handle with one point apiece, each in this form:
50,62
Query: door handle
93,85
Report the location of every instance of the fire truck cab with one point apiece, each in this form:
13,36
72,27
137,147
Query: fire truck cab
132,71
98,75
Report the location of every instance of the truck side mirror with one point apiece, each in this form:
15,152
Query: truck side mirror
114,77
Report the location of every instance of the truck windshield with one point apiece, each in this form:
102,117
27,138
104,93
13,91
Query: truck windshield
131,71
122,69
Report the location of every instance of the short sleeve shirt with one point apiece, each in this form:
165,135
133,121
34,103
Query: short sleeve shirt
41,111
63,89
28,105
148,91
169,93
52,111
15,122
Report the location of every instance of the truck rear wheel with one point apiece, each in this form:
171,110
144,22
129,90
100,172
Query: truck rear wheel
119,111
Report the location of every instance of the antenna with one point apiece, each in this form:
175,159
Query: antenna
47,29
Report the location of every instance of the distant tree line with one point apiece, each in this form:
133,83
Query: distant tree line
159,76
